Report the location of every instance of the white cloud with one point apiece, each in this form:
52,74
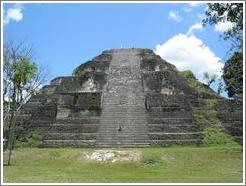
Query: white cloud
187,9
13,14
194,4
223,26
190,6
197,26
200,16
174,15
190,53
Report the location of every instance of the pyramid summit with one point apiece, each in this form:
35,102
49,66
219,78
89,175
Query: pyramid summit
127,98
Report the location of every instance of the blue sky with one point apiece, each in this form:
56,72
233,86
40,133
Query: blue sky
66,35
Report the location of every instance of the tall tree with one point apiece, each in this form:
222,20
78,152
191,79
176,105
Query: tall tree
233,69
22,78
233,75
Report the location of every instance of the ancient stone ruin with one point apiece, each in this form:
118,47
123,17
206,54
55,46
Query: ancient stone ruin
125,98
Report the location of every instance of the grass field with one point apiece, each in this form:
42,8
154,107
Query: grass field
157,165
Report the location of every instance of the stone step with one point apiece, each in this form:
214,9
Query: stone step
108,127
124,126
81,143
125,110
77,128
74,143
168,120
122,141
169,114
125,123
123,116
175,142
129,111
123,103
71,136
119,103
172,128
40,123
131,145
48,89
81,120
174,136
136,131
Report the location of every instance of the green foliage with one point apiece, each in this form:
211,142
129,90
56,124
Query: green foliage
206,115
232,12
188,74
194,83
24,70
233,70
33,139
233,75
212,136
20,73
221,87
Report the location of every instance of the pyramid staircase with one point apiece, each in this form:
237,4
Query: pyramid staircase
123,120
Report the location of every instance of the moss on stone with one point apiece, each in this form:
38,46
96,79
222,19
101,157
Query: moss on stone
213,136
206,115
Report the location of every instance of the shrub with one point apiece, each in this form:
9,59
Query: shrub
196,84
212,136
188,74
34,139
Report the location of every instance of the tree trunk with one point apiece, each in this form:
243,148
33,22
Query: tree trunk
11,126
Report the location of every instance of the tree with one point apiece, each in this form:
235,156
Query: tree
233,75
233,69
220,88
227,12
188,74
22,78
209,78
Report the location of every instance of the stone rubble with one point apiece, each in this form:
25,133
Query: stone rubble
113,156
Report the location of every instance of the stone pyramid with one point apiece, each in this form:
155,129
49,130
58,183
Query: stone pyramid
121,98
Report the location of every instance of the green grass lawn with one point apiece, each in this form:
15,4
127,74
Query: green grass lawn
157,165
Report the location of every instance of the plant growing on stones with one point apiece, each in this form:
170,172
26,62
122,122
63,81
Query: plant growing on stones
34,139
212,136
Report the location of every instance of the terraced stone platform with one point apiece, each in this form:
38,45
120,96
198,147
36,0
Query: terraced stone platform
121,98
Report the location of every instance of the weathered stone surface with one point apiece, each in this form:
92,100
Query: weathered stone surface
230,113
126,98
113,156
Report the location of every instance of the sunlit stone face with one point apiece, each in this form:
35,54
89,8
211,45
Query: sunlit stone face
88,86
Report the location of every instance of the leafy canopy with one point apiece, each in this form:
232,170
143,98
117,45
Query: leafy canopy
24,70
233,75
227,12
233,69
